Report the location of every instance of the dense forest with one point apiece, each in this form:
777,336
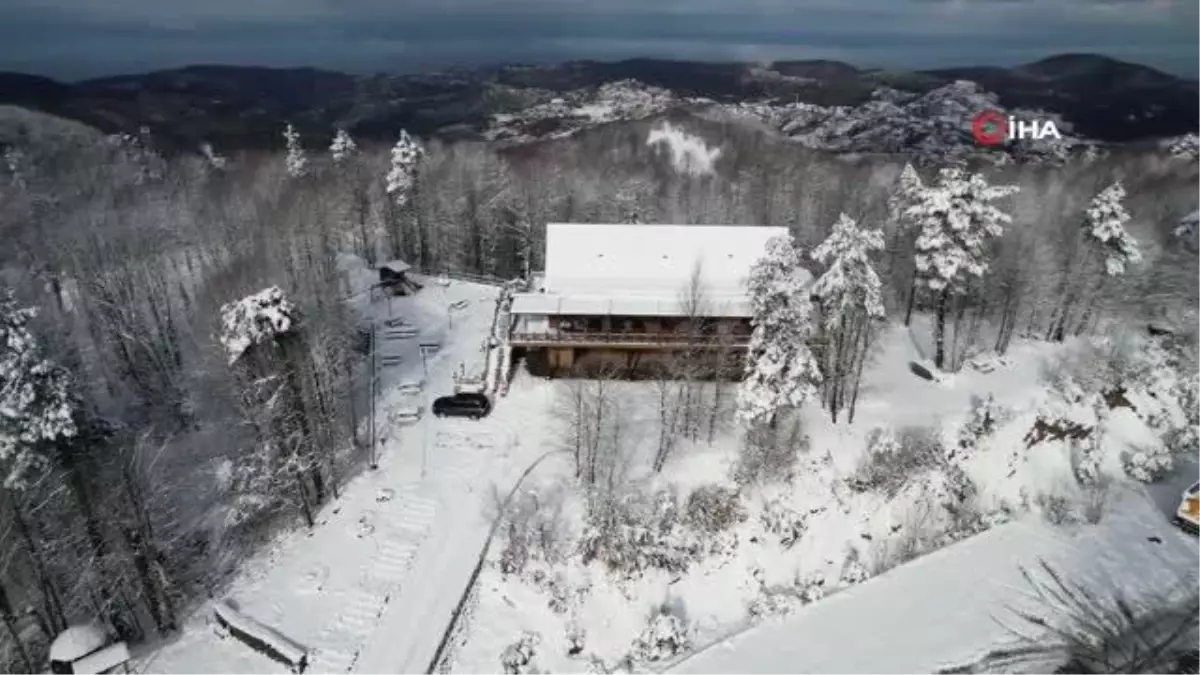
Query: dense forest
162,462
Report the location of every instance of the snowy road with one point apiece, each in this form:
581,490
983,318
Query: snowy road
372,587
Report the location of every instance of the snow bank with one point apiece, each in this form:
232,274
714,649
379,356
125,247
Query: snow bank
261,638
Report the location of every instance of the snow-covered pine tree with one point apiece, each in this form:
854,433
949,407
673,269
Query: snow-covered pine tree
956,220
850,297
343,146
781,371
1104,225
406,154
1102,233
273,397
36,407
296,160
400,183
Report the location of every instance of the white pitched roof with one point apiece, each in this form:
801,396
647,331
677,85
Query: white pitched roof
551,304
654,260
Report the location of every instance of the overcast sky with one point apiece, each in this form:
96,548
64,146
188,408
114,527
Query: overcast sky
83,38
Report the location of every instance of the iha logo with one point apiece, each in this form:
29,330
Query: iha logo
991,127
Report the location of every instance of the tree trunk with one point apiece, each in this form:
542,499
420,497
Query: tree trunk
912,299
939,336
10,623
862,360
50,596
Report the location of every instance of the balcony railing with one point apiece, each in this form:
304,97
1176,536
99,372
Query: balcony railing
650,339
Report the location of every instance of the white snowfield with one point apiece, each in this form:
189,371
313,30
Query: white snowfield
901,621
372,587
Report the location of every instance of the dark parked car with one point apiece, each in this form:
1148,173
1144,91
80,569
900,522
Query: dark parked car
474,406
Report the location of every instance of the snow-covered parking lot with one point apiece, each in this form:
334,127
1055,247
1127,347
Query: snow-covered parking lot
371,588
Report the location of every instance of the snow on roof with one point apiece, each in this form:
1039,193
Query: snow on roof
624,259
77,641
398,266
102,660
631,305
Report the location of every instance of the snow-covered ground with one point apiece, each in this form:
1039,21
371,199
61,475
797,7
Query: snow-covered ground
800,540
371,588
951,608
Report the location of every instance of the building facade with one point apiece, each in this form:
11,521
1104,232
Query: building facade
639,298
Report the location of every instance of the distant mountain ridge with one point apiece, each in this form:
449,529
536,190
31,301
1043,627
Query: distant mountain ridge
241,107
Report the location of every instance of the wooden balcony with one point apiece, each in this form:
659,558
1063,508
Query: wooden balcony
628,340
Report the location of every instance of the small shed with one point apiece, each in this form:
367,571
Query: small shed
393,277
86,648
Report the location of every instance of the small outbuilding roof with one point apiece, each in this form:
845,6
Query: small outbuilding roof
397,266
78,641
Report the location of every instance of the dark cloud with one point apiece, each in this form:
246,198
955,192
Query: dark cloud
78,38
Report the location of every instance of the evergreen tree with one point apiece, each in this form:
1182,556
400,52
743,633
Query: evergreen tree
343,147
36,408
955,219
1102,234
296,160
850,296
781,371
1104,225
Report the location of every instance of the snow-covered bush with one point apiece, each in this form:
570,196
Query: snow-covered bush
810,588
666,636
772,602
533,531
1148,464
894,459
853,570
981,423
769,454
520,656
635,532
1085,456
779,518
713,508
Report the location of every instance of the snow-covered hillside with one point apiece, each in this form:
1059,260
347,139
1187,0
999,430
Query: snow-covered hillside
582,109
1040,440
931,128
934,127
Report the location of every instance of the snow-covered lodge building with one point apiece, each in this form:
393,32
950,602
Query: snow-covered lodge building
628,294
